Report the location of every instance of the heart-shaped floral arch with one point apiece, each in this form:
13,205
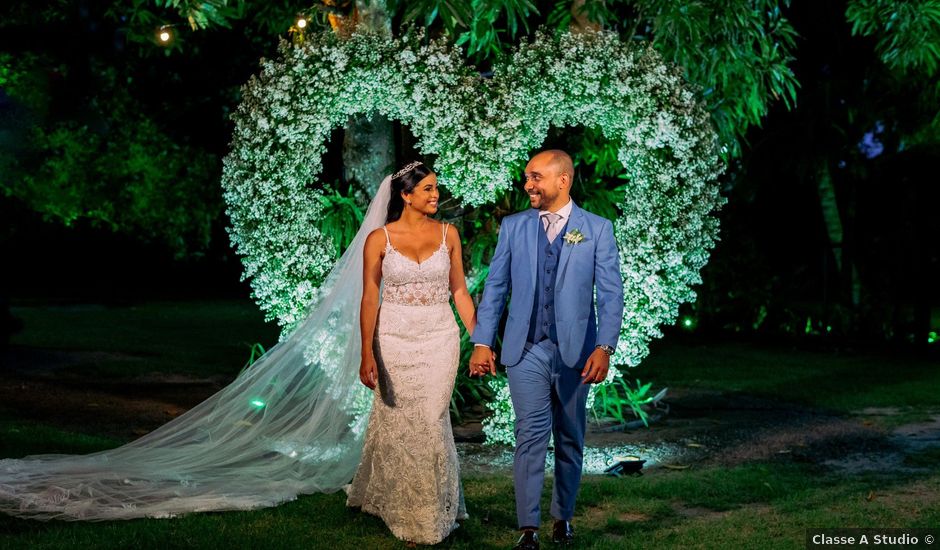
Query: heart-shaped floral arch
479,130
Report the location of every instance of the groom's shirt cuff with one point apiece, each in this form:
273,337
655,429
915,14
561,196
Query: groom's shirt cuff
481,345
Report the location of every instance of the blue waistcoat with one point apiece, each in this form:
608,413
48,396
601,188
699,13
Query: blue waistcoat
542,322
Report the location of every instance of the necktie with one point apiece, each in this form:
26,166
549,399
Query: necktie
550,224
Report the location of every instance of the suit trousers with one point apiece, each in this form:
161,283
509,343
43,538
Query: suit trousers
549,400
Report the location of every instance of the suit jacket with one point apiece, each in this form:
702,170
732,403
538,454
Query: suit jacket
593,262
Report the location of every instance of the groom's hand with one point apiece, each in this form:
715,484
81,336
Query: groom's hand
595,370
482,361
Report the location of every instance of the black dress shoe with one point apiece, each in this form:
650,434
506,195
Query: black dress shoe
563,532
528,541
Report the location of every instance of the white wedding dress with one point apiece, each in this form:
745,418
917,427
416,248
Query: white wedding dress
294,422
409,474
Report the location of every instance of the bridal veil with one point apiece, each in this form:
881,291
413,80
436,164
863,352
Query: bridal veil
290,424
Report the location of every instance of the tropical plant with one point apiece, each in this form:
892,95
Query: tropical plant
616,399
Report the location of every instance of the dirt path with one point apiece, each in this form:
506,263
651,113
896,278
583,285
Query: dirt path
702,427
705,428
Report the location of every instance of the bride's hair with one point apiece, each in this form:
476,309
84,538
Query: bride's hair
404,182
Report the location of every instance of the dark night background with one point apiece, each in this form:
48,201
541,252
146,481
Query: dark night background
773,274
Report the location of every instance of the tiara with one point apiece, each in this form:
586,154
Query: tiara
408,167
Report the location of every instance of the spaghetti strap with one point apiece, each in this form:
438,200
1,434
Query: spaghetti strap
388,241
444,235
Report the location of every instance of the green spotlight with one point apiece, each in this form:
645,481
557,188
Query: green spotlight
688,323
931,337
257,403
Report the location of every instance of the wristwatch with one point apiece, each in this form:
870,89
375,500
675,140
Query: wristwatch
606,349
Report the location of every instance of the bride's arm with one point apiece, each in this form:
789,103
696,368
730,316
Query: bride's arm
458,281
369,306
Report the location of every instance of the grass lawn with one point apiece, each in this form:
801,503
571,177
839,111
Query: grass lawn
759,504
838,382
191,338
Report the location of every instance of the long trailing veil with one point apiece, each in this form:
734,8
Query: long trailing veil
290,424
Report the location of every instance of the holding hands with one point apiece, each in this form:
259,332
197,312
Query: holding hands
482,361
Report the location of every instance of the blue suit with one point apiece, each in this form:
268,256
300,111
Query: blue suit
544,362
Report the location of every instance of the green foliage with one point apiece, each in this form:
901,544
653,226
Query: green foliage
472,390
340,218
130,181
907,32
616,398
737,52
21,79
200,14
600,182
486,27
120,171
451,13
257,350
483,39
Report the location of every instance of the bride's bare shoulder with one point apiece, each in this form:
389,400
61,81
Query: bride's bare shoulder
451,230
375,239
451,236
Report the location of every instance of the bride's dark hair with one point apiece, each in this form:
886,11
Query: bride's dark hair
405,182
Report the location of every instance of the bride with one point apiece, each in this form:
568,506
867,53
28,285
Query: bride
409,474
293,422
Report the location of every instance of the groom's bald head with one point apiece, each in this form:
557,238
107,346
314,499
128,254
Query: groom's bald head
561,161
548,179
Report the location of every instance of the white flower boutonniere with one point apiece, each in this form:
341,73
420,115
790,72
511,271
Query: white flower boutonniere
574,236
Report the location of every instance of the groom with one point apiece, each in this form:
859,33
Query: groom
550,259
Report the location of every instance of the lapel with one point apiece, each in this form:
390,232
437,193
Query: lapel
575,221
532,228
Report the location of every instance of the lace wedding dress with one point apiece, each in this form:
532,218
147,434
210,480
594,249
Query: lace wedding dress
409,474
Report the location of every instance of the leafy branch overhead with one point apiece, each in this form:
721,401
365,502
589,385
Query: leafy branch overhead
738,52
907,33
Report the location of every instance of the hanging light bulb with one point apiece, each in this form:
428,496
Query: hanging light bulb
164,35
301,22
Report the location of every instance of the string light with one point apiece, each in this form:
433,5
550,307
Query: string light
297,29
165,35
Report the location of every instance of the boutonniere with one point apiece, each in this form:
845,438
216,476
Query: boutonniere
574,236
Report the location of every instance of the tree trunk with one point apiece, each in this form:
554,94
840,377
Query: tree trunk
368,147
849,287
580,21
830,210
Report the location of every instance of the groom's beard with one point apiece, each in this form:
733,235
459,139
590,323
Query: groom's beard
539,200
